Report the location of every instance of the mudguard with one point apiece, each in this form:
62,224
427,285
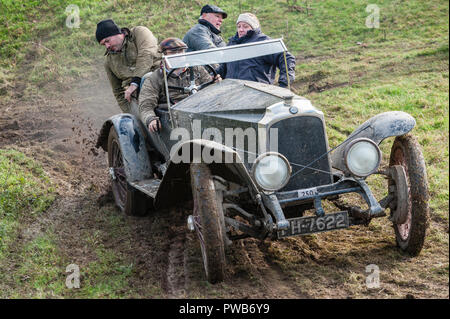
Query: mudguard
377,128
132,143
176,180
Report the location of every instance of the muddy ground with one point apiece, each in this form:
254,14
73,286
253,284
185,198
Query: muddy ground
60,132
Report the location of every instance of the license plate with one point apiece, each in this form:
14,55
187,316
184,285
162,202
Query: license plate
315,224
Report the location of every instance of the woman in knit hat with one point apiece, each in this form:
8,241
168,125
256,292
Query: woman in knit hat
260,69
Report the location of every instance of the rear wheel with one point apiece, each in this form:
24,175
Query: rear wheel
410,234
207,222
128,199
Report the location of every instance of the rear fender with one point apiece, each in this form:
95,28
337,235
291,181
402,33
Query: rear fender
132,143
377,128
176,180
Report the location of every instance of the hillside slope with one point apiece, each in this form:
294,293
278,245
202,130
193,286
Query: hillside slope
54,97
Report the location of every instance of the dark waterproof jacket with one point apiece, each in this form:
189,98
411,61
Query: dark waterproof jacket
261,69
203,36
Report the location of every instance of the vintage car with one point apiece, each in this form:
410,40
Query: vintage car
253,158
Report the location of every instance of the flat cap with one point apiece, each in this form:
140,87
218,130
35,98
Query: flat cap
209,8
171,44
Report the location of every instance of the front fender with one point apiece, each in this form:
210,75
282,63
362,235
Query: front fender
176,180
377,128
132,144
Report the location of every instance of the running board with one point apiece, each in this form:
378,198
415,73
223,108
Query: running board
147,186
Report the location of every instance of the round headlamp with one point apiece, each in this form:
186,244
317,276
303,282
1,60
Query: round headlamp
271,171
362,157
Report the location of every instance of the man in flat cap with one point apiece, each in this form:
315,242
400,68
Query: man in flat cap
206,34
130,54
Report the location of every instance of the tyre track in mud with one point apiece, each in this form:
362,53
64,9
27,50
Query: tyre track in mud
162,242
274,280
175,276
176,259
251,269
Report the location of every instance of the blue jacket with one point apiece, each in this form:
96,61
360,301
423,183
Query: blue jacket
203,36
261,69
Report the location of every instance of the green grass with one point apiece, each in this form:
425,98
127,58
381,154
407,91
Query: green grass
25,189
36,30
39,274
25,192
402,65
32,260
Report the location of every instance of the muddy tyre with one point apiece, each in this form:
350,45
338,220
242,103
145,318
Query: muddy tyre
128,199
410,235
207,222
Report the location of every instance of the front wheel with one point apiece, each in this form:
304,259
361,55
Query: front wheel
410,234
207,222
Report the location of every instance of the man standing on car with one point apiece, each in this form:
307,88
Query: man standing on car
130,54
206,34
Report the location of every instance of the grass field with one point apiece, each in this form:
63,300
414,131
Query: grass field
349,71
25,192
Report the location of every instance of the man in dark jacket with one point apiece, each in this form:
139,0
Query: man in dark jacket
259,69
206,34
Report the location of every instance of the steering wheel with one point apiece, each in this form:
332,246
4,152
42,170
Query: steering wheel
193,88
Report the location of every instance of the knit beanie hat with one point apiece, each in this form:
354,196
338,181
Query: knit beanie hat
106,28
250,19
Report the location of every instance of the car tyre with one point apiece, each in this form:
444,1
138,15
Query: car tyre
127,198
207,222
410,235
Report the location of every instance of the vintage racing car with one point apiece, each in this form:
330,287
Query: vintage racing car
254,157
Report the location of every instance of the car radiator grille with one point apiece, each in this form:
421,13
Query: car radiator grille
302,141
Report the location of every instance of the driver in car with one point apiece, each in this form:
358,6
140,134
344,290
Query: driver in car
153,91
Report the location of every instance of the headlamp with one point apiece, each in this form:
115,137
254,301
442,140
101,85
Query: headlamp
271,171
362,157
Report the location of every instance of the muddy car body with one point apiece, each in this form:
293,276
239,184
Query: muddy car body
253,158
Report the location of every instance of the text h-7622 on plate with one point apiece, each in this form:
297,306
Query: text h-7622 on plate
315,224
